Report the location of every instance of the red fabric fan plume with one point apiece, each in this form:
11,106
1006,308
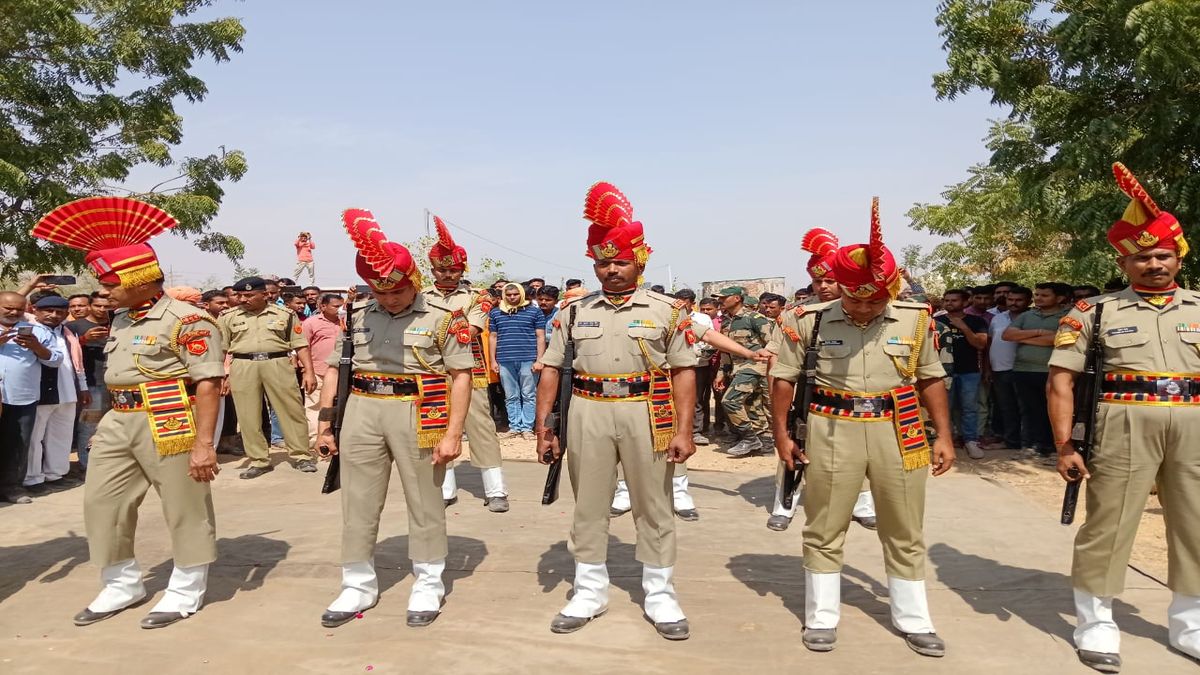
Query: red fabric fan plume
445,253
381,263
819,242
1129,185
614,234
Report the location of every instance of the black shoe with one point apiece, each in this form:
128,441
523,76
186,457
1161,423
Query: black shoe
18,496
778,523
819,639
1101,661
255,472
334,619
421,619
614,512
87,617
926,644
690,515
674,630
306,466
569,624
447,503
162,619
866,521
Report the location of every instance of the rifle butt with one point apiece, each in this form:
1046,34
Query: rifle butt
1070,501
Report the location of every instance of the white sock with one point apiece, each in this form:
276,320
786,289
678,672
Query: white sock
1095,629
122,586
661,605
450,484
360,587
427,589
493,482
185,590
822,599
590,595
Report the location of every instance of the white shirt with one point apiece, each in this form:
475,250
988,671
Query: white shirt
701,319
68,379
1001,353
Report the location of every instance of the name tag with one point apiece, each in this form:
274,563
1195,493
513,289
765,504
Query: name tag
588,324
1123,330
831,343
144,339
1188,328
642,323
361,330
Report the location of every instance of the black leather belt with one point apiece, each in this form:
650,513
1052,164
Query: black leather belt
377,387
855,404
261,356
126,399
1158,387
615,389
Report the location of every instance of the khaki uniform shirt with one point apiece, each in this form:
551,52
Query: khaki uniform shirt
173,340
422,339
896,349
608,339
1135,334
464,299
750,330
275,329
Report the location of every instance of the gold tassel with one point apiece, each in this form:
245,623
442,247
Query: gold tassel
662,439
916,459
479,382
175,445
429,439
142,274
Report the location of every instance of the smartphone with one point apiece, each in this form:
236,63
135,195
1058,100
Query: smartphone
362,290
24,330
294,290
59,279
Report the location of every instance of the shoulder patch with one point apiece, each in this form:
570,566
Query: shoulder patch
1075,324
190,318
798,310
1065,337
460,327
679,304
1083,305
791,333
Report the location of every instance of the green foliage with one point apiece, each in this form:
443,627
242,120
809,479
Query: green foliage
1088,83
483,272
87,91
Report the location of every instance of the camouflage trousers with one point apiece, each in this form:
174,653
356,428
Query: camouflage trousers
745,402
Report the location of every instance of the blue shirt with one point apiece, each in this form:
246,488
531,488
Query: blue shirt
21,370
516,341
550,323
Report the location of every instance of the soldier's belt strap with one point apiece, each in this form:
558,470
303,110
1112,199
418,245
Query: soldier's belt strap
261,356
826,402
624,387
1131,387
130,399
385,385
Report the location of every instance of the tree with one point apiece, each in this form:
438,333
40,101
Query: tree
483,272
994,236
1090,83
87,93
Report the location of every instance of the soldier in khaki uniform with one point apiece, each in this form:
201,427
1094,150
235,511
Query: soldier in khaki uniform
448,262
744,379
164,370
877,365
633,404
823,245
1147,419
410,390
260,336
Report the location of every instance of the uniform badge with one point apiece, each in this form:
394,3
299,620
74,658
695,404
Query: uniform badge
791,333
1187,328
689,336
642,323
299,330
197,347
830,343
191,318
417,330
172,424
1075,324
1083,305
588,324
1146,239
1064,338
1123,330
798,310
144,339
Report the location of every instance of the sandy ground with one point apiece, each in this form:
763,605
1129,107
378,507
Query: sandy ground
997,578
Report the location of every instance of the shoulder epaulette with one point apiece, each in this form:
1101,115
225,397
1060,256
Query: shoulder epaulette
799,310
1083,305
909,304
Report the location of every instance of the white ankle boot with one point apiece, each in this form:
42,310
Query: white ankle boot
910,606
450,484
1095,629
590,597
1183,622
661,605
822,599
493,482
185,590
427,589
122,587
360,588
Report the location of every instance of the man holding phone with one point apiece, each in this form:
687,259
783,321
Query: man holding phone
24,349
92,331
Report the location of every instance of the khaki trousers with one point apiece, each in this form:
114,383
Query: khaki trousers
481,431
248,381
600,435
377,433
123,465
1139,444
312,408
841,453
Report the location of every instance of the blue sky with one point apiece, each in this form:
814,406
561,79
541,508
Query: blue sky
732,128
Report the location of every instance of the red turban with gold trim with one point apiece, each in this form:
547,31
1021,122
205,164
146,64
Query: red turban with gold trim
823,246
383,264
868,271
614,234
113,231
1143,226
445,254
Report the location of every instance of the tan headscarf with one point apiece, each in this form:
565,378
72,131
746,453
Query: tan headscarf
507,308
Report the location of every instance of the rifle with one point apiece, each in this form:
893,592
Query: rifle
558,419
333,480
1087,400
798,416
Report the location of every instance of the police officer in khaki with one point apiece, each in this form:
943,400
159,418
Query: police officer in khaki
823,245
448,262
633,405
877,366
1147,421
410,390
260,337
164,370
743,379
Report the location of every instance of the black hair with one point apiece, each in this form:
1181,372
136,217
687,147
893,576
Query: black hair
961,292
658,288
1010,284
572,283
1020,290
708,301
1064,290
1115,284
536,279
311,288
1092,290
329,297
548,292
771,297
685,294
987,289
207,296
80,295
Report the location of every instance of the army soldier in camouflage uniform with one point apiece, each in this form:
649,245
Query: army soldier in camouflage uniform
448,262
410,391
743,378
260,336
877,365
1147,421
633,405
164,370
